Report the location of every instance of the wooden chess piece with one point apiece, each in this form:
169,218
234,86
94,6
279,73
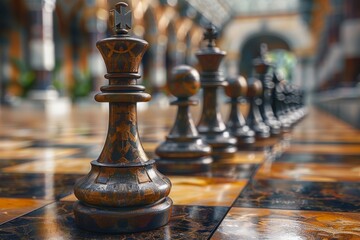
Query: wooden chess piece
254,118
262,67
236,124
183,151
123,192
211,125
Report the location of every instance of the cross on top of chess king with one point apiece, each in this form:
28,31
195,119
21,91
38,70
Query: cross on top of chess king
120,19
123,192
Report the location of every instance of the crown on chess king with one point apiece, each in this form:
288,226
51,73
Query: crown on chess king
121,53
211,56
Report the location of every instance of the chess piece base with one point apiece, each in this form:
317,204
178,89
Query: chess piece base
245,140
184,166
122,220
262,135
223,146
222,152
275,126
261,131
285,124
275,131
244,135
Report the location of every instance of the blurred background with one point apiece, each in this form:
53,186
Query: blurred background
48,52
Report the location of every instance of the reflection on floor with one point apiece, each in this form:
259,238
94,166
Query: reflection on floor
305,185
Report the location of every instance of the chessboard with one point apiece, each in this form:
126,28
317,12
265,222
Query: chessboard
303,185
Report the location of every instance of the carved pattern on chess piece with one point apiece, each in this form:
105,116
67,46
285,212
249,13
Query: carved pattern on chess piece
123,192
211,125
183,151
236,124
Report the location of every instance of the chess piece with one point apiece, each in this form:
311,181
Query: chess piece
278,98
236,124
290,97
123,192
301,103
183,151
211,125
254,119
297,110
262,67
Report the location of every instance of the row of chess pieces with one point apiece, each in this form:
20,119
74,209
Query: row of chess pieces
274,108
124,192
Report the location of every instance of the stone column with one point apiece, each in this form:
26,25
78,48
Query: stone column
41,48
6,22
96,27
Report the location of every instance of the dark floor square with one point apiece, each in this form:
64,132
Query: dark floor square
56,221
12,162
37,185
320,196
318,158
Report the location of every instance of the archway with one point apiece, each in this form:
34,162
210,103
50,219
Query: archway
251,47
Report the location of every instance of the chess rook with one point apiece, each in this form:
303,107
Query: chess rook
236,124
211,126
183,151
123,192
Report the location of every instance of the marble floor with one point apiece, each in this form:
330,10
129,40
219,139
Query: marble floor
302,185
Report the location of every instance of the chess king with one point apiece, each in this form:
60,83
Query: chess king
211,125
123,192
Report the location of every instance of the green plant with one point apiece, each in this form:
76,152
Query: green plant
56,82
81,86
285,62
27,76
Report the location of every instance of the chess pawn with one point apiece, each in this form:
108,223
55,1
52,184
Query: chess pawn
211,125
254,119
262,66
183,151
236,124
123,192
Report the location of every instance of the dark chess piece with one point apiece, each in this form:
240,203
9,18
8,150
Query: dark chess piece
183,151
254,119
123,192
211,125
301,103
298,111
290,98
236,124
262,67
278,98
